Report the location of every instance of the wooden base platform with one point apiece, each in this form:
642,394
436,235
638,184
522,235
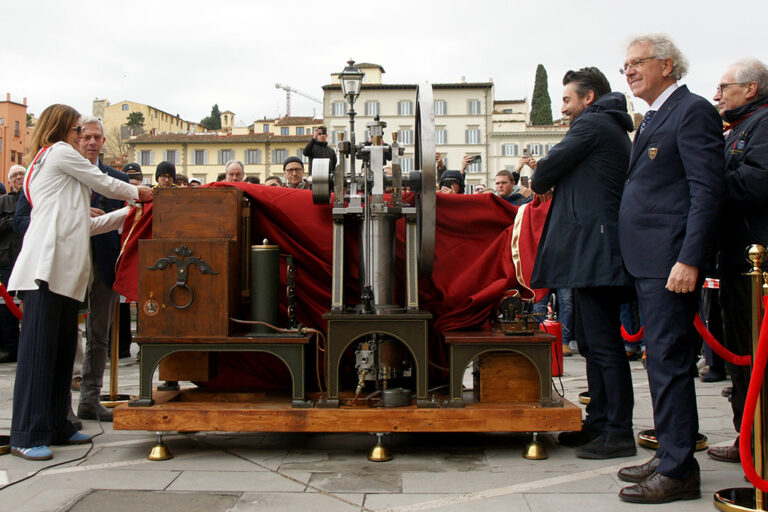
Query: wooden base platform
196,410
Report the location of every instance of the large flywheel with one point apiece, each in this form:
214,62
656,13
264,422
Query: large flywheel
424,160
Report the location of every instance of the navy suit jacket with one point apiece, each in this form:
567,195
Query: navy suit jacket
674,188
105,248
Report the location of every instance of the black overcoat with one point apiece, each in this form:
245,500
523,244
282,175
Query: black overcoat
579,247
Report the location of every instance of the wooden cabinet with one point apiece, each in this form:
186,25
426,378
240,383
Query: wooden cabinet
202,306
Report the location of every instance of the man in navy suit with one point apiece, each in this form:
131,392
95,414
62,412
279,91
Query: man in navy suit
667,220
102,299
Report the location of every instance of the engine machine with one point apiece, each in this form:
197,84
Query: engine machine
204,288
373,197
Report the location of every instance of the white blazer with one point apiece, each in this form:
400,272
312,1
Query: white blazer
56,245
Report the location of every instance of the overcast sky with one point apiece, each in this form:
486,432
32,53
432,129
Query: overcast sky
184,56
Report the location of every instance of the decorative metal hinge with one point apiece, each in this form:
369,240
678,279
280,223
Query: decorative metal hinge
180,257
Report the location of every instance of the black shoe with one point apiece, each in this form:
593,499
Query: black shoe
609,445
662,489
581,437
7,357
713,376
94,412
727,391
636,474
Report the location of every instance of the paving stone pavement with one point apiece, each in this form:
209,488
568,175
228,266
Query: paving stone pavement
237,472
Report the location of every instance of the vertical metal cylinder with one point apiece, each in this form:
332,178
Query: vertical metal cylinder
379,264
265,283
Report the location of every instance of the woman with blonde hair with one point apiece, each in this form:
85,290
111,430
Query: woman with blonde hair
52,274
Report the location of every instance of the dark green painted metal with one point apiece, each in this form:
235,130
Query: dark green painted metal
538,353
292,354
409,328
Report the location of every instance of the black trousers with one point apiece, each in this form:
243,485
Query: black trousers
610,383
44,371
671,352
735,304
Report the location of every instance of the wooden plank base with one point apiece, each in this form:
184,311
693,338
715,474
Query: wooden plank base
196,410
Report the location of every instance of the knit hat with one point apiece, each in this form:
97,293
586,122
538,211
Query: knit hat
449,176
292,159
165,167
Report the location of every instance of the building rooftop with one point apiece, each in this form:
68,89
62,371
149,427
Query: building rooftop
297,120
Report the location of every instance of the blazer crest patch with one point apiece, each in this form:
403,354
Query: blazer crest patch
652,152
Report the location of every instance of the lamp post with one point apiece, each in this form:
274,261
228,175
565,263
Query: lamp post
351,83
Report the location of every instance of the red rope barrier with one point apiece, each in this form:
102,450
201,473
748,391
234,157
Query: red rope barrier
755,383
718,348
632,338
9,302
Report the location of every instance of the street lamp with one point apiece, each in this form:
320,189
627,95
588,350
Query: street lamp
351,81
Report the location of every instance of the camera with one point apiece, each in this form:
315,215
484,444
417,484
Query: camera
476,159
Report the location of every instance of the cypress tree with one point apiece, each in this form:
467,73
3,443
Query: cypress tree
213,121
541,105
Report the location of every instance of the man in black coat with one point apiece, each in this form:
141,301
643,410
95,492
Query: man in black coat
101,298
10,246
318,147
743,92
667,220
579,249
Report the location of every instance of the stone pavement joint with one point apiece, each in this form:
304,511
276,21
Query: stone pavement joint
288,477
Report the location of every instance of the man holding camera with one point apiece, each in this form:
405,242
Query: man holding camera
509,190
318,147
579,249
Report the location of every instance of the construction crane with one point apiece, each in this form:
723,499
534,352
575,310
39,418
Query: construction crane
288,90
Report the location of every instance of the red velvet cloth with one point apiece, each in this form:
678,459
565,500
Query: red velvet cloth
473,263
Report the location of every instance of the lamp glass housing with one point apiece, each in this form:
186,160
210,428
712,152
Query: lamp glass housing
351,81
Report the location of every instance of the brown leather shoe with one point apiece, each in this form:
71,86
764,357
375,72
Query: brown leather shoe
663,489
725,453
636,474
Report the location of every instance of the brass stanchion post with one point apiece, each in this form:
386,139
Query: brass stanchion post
748,498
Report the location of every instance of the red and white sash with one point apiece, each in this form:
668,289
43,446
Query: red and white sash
28,177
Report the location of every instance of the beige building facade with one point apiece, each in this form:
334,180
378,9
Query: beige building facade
462,116
203,156
468,121
118,133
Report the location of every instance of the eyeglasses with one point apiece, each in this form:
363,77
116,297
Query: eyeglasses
722,87
634,64
294,170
